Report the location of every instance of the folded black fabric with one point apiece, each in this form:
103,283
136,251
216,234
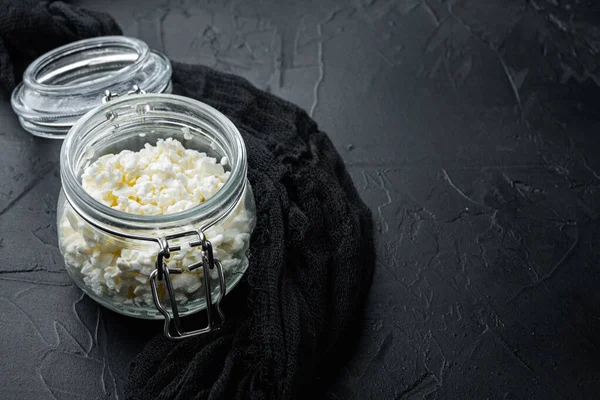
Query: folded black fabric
291,321
29,28
311,260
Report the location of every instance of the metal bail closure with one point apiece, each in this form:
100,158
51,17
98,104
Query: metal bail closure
163,271
108,95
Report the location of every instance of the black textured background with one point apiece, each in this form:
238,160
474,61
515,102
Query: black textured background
470,128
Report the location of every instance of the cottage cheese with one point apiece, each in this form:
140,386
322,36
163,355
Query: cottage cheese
157,180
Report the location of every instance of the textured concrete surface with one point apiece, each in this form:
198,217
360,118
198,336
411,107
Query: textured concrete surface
471,130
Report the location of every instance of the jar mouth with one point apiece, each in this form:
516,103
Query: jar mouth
87,64
139,118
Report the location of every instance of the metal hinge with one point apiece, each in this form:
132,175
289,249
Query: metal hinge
162,271
108,95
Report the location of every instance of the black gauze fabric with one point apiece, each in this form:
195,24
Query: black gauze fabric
29,28
291,320
311,261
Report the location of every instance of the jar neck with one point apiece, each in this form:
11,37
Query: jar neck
129,123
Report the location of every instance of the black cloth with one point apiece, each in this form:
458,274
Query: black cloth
311,260
291,321
29,28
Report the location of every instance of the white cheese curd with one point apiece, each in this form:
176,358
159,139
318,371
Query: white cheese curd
162,179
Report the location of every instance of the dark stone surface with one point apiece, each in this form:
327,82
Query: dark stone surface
470,128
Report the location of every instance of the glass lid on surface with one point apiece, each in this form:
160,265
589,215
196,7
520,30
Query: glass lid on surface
67,82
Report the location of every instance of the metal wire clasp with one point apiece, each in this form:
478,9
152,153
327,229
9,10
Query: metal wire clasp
162,271
108,95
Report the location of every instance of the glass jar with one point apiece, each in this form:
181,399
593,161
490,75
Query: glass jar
136,264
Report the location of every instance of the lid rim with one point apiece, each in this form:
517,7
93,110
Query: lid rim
30,74
35,115
55,130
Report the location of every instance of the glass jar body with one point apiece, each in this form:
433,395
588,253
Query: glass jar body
110,254
114,271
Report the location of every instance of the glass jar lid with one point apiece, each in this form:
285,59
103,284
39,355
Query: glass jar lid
67,82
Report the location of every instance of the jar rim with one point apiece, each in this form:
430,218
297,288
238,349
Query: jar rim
213,209
30,76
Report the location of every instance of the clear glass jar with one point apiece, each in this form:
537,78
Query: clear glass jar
102,247
62,85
